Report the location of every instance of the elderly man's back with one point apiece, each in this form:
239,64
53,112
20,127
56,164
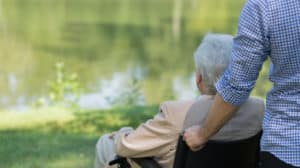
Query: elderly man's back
158,137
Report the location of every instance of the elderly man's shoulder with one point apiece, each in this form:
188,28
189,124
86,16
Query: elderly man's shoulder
177,105
185,105
174,111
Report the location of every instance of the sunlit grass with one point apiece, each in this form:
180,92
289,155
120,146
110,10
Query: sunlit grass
60,138
28,119
37,149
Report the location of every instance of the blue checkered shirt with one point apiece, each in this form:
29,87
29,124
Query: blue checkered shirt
269,28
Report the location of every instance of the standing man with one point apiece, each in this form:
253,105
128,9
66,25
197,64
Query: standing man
267,28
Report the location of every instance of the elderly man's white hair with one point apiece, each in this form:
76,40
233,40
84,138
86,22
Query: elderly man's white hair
212,58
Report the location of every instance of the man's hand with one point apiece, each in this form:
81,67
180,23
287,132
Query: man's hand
123,131
194,138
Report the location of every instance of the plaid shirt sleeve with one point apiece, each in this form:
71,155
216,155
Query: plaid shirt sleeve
250,50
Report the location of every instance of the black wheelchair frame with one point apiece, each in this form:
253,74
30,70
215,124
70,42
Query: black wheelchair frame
216,154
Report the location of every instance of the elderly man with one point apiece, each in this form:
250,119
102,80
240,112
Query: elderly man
158,137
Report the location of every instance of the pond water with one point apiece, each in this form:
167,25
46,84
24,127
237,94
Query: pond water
104,42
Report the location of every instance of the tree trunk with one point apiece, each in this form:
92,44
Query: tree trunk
2,20
177,14
194,4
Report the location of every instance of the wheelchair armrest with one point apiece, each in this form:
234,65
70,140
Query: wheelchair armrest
143,162
120,161
146,162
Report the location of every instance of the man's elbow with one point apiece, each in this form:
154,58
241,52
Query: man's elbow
124,150
121,151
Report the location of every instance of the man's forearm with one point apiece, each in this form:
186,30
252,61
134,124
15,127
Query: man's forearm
219,114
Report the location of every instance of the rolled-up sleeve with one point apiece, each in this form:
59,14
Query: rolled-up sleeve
250,50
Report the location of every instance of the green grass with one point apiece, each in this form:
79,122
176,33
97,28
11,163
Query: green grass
58,138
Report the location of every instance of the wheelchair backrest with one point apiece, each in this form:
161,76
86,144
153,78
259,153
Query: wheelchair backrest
216,154
246,122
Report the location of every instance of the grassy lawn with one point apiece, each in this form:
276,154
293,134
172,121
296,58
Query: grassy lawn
58,138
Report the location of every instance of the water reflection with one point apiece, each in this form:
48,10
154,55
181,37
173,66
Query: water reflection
182,88
107,89
102,40
111,89
4,100
185,88
12,82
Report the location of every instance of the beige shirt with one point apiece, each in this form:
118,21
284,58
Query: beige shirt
158,136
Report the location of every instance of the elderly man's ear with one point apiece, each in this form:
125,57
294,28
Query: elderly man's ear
199,82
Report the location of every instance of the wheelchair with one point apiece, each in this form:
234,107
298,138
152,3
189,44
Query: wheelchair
216,154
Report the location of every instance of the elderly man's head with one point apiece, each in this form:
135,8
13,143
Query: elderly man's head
212,58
